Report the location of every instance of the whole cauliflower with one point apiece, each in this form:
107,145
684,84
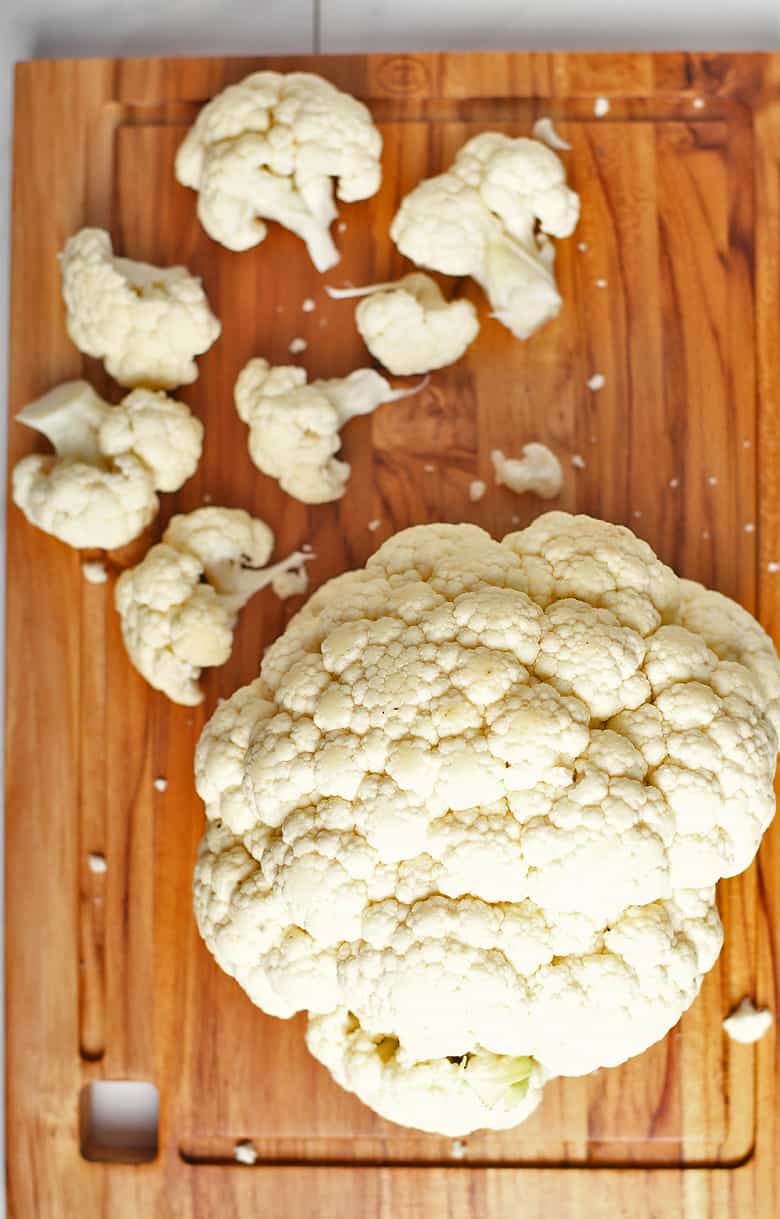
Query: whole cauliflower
294,426
99,488
145,323
268,148
408,326
178,608
472,813
490,216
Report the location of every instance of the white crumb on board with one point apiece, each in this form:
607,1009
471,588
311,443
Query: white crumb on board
515,519
698,103
297,346
160,784
747,1023
674,482
207,498
458,1149
601,107
578,461
291,583
341,227
309,305
705,533
582,246
637,515
773,567
544,130
749,527
97,863
94,571
745,444
477,488
429,469
601,283
373,525
245,1152
712,480
597,381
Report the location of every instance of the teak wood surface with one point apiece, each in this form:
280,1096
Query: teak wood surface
107,978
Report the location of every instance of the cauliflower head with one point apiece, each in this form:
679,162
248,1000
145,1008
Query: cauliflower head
99,488
145,323
491,216
472,813
294,426
178,608
269,148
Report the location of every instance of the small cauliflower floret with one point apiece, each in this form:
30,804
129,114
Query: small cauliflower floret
99,488
747,1023
268,148
538,471
472,814
145,323
490,216
409,327
179,606
294,426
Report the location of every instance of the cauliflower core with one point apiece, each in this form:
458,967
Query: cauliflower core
99,489
294,427
490,216
472,813
408,326
145,323
269,148
179,606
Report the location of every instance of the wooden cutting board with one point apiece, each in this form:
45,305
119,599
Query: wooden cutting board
671,292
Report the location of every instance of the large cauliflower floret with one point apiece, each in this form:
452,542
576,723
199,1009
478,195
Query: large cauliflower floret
100,486
145,323
179,606
490,216
472,813
294,426
268,148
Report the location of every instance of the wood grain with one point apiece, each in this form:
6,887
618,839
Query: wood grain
107,977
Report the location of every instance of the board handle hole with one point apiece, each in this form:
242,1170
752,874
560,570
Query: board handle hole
119,1121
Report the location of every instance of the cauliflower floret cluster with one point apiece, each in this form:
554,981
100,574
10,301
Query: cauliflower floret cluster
145,323
99,488
472,813
490,216
268,148
178,608
294,426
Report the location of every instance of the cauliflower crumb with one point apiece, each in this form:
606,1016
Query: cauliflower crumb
773,566
698,103
538,471
712,480
160,784
341,227
674,482
597,381
97,863
544,130
429,468
309,305
477,489
601,283
458,1147
636,514
245,1152
745,444
578,461
582,246
94,571
373,526
747,1023
601,107
297,346
749,527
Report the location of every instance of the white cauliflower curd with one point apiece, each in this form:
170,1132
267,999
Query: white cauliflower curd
472,813
491,216
99,488
294,426
269,148
178,608
145,323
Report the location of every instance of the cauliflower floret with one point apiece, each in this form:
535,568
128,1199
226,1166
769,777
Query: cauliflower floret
179,606
408,326
472,813
99,489
490,216
145,323
268,148
538,471
294,426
